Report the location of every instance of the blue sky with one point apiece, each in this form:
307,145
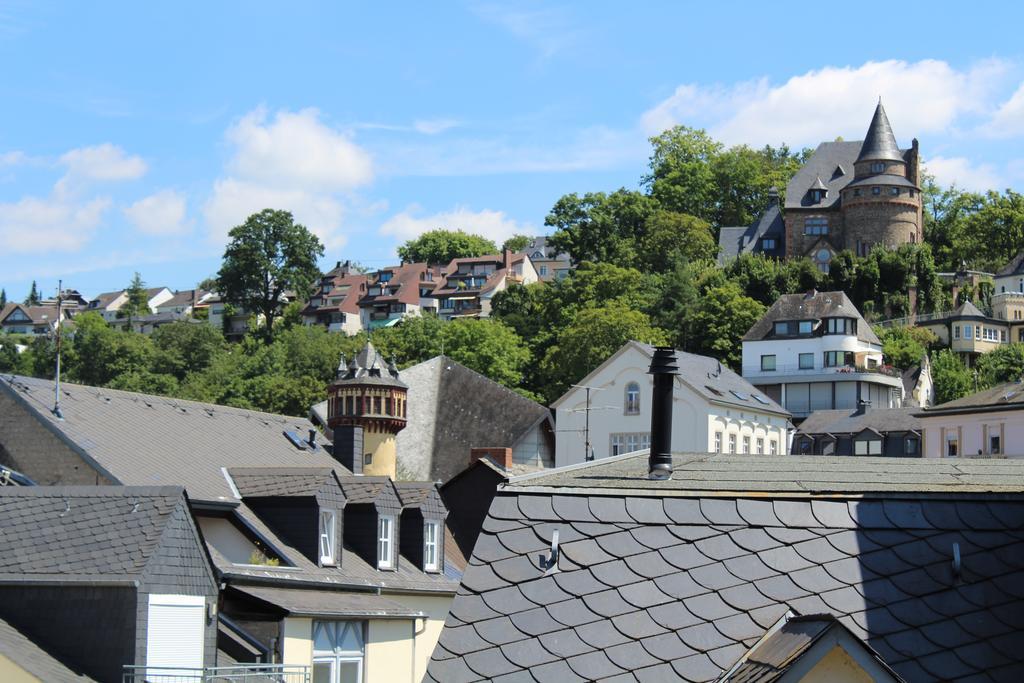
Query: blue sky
133,136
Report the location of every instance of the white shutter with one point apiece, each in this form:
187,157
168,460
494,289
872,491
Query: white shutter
176,632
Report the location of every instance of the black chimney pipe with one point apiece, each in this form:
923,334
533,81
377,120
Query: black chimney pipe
664,369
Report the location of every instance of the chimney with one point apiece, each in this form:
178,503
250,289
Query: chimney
664,369
506,259
773,195
312,439
500,456
348,447
862,406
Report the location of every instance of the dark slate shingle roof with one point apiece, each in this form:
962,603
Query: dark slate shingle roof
666,581
849,422
1002,395
31,658
746,239
141,439
880,143
828,157
360,489
1014,267
259,482
811,306
82,531
301,602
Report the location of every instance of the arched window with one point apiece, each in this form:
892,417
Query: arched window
632,399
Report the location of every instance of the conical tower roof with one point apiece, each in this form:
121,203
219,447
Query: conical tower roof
880,143
369,367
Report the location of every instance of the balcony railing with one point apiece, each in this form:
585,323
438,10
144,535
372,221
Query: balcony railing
238,673
787,371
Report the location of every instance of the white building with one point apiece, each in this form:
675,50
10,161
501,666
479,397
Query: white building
109,304
988,424
714,410
471,283
815,351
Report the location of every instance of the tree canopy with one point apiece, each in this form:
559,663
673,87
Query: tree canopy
268,255
516,243
441,246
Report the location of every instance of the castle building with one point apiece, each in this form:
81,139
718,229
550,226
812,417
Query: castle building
367,404
849,195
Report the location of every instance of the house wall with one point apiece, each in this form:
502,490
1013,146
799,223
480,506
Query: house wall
744,426
13,673
396,649
837,667
30,447
692,415
91,628
973,430
787,355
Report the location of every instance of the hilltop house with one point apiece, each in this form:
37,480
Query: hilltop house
320,569
109,304
715,410
184,303
549,263
35,320
335,304
470,283
395,292
815,351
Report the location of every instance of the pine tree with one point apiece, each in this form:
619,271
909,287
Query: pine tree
33,296
3,298
138,300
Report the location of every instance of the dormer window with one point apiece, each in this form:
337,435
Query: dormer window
386,542
877,167
817,195
328,536
431,536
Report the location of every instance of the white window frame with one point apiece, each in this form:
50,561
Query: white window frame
386,542
732,443
746,444
773,447
760,446
338,656
431,547
718,442
328,537
628,442
632,402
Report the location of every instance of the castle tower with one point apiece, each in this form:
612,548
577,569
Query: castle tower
369,394
882,205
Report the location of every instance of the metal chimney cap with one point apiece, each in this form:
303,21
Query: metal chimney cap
664,361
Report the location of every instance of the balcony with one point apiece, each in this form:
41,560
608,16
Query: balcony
238,673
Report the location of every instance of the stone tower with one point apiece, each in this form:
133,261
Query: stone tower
882,205
368,394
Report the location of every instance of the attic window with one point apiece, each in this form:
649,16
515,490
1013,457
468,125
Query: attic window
760,399
738,394
328,535
714,391
385,542
430,546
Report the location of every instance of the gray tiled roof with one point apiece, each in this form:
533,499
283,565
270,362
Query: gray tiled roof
31,658
1014,267
421,495
651,585
827,158
299,602
880,143
789,474
811,306
744,240
717,383
83,532
849,422
257,482
360,489
883,179
152,440
965,309
1009,394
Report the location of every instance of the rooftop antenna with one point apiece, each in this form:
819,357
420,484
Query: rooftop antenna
56,383
588,452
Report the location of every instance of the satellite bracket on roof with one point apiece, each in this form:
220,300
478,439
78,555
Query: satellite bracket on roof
550,563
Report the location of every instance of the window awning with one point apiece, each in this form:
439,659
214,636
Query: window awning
328,603
461,297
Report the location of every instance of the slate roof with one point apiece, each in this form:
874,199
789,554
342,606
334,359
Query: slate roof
746,239
812,305
451,409
140,439
298,602
882,420
368,367
540,244
15,646
184,298
967,308
261,482
1009,395
883,179
823,164
880,143
678,579
368,490
82,532
1014,267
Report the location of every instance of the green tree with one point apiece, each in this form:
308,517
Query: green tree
672,238
723,316
1003,364
600,227
594,335
182,348
33,296
951,378
3,298
516,243
13,361
268,255
681,176
903,347
138,301
441,246
107,353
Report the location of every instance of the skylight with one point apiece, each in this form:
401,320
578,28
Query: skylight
714,391
760,399
739,394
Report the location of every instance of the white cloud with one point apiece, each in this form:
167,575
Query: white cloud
1008,120
235,200
296,150
47,225
101,163
434,126
494,225
292,162
162,213
964,174
823,103
12,158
